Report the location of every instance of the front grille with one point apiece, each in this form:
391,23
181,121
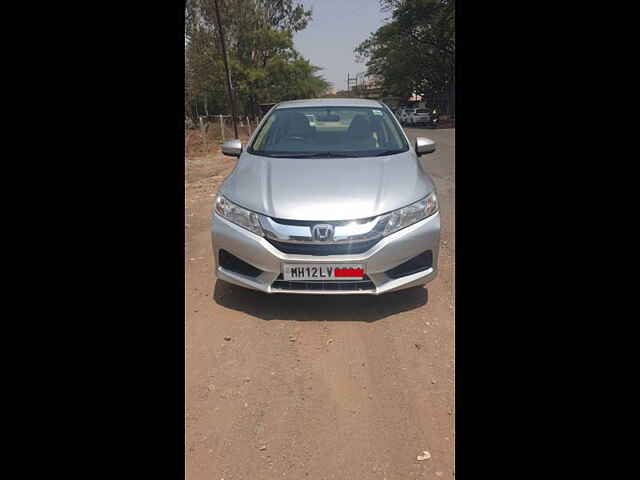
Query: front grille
319,285
230,262
311,223
319,249
421,262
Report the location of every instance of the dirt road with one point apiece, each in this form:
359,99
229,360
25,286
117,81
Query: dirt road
317,387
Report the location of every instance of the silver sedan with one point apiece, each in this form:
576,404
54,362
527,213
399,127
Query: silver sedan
340,205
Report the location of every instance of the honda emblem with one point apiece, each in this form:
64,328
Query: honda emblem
322,233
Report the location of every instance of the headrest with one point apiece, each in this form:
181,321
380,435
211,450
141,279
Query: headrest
298,124
360,127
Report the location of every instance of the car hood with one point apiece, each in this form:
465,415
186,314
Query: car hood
326,188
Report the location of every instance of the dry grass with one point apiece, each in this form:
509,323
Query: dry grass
201,144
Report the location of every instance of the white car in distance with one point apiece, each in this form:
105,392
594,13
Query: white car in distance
414,116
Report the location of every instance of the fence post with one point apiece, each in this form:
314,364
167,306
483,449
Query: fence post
203,133
221,128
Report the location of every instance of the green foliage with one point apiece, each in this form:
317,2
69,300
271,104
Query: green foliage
415,52
264,65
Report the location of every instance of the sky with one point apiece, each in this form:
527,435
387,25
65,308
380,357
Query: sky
336,29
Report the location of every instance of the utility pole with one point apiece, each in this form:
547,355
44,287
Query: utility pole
226,67
351,80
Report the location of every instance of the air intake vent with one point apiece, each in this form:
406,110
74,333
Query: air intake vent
322,249
234,264
424,261
333,285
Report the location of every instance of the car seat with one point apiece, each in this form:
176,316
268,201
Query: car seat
360,133
298,126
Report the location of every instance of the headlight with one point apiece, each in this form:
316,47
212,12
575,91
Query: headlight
411,214
238,215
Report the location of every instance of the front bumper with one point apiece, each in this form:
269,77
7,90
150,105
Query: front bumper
388,253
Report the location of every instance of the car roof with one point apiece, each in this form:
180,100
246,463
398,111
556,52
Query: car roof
330,102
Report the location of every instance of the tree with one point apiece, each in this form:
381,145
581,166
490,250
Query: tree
415,52
264,65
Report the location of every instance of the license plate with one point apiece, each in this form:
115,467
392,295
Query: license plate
316,271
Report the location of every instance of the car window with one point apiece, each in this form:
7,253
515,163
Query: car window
265,129
334,131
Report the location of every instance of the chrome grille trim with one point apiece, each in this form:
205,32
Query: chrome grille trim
345,232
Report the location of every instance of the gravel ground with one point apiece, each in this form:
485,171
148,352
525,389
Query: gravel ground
318,387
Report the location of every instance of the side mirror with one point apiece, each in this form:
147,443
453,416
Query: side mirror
424,146
232,148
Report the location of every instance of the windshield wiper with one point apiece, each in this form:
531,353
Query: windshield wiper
344,154
328,154
308,154
287,154
387,152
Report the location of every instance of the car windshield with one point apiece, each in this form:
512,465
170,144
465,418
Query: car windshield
329,132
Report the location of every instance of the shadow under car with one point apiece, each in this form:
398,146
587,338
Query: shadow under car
302,307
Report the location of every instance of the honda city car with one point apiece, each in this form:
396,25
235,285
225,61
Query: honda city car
338,205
